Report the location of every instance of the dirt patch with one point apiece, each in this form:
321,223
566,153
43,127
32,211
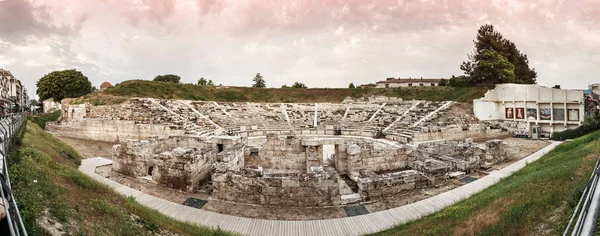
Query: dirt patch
486,217
88,148
519,149
51,226
548,226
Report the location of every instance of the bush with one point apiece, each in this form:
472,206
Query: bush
589,125
460,81
41,120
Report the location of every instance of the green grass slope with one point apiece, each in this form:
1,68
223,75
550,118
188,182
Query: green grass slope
152,89
536,200
53,194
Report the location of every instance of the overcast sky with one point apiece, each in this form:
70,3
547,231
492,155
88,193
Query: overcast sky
322,43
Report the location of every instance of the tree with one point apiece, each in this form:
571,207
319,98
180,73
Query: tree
351,86
63,84
443,82
489,39
491,69
168,78
259,82
202,81
34,102
284,86
298,85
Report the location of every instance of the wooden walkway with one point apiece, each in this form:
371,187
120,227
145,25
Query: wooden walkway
357,225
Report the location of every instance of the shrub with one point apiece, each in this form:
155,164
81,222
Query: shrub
589,125
41,120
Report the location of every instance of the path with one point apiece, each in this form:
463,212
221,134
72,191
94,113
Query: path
357,225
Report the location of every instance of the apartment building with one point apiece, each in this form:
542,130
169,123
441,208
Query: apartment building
13,95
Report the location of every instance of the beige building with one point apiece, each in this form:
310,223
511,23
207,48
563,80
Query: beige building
12,93
408,82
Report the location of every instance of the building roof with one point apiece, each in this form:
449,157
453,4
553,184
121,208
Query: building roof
409,80
6,73
106,84
367,85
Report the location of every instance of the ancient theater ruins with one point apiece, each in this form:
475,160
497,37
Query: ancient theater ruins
262,159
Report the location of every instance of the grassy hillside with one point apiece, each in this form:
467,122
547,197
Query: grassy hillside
536,200
141,88
55,198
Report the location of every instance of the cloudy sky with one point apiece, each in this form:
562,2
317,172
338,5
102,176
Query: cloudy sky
323,43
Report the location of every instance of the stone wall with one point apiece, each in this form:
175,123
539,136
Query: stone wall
110,130
496,151
279,152
375,157
183,168
289,190
372,186
132,157
232,157
474,131
178,162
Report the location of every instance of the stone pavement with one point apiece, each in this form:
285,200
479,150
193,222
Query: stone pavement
357,225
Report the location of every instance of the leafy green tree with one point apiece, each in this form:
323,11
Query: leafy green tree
34,102
351,86
443,82
63,84
460,81
491,69
259,82
298,85
168,78
284,86
202,81
489,39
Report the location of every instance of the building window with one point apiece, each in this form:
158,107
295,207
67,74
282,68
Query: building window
387,85
421,84
409,85
432,84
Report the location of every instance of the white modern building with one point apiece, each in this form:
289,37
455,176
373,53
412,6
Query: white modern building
533,106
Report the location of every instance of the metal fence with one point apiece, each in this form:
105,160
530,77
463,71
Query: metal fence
9,128
587,209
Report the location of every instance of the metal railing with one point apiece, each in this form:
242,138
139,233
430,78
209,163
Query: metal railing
9,128
587,209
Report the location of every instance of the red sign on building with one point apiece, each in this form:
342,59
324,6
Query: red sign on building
509,113
520,114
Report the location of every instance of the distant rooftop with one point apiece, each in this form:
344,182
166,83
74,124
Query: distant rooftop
410,80
105,84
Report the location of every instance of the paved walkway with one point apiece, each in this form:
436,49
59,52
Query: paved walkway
357,225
